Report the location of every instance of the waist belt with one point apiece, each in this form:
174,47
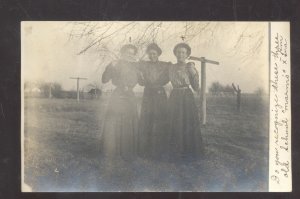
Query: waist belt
183,87
125,88
158,89
154,87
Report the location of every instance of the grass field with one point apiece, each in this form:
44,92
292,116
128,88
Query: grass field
62,150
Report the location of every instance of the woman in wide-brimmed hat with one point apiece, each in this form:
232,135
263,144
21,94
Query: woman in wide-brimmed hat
153,124
185,139
120,126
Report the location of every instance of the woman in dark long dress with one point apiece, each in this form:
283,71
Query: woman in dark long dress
120,126
153,124
185,136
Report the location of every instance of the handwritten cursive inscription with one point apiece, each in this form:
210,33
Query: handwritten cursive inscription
280,109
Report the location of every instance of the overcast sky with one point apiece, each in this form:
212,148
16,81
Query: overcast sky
49,55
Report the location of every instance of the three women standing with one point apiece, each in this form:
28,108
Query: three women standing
166,127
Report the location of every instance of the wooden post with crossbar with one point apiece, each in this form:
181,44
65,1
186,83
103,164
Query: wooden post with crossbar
203,61
78,79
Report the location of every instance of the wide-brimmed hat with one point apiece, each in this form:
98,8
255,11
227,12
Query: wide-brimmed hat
183,45
155,47
128,46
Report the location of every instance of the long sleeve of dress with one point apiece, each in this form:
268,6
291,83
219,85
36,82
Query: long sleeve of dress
141,78
193,75
164,78
108,73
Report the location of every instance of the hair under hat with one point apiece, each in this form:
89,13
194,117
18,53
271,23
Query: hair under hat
128,46
155,47
183,45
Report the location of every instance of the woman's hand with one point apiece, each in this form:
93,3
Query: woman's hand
109,71
113,64
191,68
193,75
141,78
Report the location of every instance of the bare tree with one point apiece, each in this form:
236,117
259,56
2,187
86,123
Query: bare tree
238,96
215,88
100,34
50,90
259,92
107,37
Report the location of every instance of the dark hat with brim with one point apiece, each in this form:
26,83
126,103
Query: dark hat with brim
155,47
128,46
183,45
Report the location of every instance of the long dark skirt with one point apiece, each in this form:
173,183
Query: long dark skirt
153,123
185,141
120,126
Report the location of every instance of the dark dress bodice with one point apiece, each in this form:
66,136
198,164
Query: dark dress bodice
155,74
122,74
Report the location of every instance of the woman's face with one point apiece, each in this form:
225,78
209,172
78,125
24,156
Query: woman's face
129,54
181,54
153,55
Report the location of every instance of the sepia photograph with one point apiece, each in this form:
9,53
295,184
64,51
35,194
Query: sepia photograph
153,106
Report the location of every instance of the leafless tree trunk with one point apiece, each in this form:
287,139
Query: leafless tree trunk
238,96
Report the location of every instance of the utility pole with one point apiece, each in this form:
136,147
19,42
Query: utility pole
78,79
203,84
